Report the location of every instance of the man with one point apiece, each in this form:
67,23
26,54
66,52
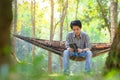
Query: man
81,39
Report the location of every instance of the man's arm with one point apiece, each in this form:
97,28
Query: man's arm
87,44
67,43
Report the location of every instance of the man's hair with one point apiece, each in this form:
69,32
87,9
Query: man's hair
76,23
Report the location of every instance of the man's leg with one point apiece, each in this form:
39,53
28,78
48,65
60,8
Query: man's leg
66,61
88,63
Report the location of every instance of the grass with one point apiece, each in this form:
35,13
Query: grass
35,71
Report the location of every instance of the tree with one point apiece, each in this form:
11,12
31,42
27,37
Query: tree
5,28
15,28
33,25
110,22
113,16
51,36
77,6
113,59
15,23
62,17
104,16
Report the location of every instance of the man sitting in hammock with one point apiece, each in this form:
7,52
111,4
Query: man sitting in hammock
81,40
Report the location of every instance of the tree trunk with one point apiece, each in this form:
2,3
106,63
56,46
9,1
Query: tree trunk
113,59
33,25
15,29
15,24
51,36
77,9
113,16
64,10
5,28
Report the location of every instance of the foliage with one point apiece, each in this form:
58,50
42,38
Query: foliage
93,24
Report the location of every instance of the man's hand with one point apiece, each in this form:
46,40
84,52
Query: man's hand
79,50
86,49
70,49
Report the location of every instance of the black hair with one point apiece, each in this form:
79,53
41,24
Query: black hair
76,23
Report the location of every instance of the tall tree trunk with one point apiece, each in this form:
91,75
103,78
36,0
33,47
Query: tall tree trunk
15,24
5,26
33,3
67,23
77,5
113,16
15,29
64,10
51,36
113,59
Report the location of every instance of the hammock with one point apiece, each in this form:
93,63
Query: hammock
58,47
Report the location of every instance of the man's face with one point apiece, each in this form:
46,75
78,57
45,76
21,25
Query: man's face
76,30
